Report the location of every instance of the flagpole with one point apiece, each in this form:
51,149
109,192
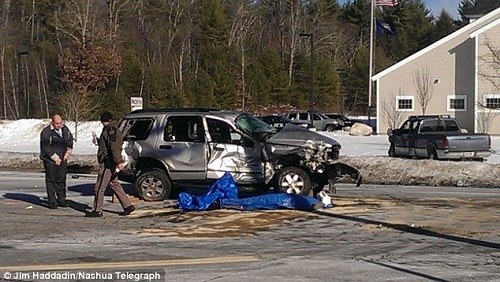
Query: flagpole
371,56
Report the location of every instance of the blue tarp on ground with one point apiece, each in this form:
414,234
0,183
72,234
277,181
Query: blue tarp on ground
224,194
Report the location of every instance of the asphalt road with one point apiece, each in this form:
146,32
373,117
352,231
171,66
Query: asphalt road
373,233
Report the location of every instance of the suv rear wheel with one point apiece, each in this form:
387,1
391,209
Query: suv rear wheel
153,185
330,128
294,180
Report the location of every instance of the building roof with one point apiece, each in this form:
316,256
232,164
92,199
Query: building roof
470,28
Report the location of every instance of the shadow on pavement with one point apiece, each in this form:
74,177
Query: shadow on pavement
422,275
28,198
36,200
88,189
84,208
410,229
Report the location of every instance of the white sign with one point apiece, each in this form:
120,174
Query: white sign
135,103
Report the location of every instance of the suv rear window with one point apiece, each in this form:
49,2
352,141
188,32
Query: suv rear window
136,129
184,129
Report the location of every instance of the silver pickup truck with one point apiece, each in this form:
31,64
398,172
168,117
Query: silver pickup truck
437,137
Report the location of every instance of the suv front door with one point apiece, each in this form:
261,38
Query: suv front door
183,147
229,151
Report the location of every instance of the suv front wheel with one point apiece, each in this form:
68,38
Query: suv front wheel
153,185
294,180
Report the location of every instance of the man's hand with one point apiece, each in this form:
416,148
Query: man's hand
94,138
121,166
56,159
67,154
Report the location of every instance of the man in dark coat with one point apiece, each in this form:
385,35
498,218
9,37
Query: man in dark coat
56,145
110,162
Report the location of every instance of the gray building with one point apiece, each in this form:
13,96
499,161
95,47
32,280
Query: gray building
458,76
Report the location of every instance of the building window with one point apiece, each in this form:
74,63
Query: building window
405,103
457,103
492,101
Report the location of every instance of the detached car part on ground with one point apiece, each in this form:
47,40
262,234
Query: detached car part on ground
176,148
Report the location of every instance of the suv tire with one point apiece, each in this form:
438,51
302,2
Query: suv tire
153,185
294,180
330,128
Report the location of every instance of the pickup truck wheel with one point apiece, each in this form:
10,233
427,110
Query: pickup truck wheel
153,185
293,180
330,128
392,151
431,152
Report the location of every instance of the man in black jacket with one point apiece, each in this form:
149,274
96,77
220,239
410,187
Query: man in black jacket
56,145
110,163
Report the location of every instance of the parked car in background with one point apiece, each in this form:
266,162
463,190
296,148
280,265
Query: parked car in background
347,122
279,122
437,137
319,120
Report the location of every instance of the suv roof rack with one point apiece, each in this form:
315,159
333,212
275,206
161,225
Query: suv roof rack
163,110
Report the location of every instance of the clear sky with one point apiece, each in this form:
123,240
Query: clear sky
451,6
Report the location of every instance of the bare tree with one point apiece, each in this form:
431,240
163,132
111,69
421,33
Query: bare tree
76,107
243,20
485,119
489,68
3,45
423,85
390,112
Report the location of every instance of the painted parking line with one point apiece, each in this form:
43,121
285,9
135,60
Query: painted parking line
130,264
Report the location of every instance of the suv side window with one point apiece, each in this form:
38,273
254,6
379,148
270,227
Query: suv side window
315,117
222,132
136,129
184,129
303,116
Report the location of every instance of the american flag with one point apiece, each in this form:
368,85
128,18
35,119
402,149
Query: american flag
390,3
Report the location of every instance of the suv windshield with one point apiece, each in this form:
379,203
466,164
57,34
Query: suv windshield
252,125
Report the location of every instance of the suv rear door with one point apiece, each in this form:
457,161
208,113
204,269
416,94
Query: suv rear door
183,147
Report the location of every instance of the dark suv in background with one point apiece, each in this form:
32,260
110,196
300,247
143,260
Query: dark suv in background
169,148
345,121
280,122
318,120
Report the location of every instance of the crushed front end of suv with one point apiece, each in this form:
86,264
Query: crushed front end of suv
191,148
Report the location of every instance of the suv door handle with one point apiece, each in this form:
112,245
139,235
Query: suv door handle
166,147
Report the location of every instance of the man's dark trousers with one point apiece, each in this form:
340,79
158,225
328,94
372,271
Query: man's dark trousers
55,181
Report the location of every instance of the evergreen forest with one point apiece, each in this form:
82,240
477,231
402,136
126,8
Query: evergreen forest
81,57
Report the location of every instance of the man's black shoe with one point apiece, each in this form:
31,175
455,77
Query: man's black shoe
52,206
94,214
128,210
63,204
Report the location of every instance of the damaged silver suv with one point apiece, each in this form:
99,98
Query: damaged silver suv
175,148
